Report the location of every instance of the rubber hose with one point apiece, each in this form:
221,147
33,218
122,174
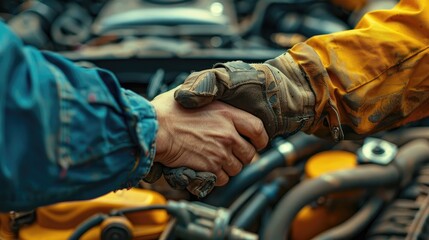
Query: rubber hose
405,135
243,198
266,195
367,176
410,157
88,224
355,224
223,196
299,147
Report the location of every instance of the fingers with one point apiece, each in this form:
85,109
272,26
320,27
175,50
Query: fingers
232,166
199,89
222,178
251,127
243,150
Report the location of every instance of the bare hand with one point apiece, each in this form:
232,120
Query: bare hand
207,138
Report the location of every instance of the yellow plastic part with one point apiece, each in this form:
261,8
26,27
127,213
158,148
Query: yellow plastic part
332,209
312,220
329,161
5,228
60,220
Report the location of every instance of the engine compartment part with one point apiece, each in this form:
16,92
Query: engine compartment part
6,231
329,161
409,157
32,25
286,153
407,216
377,151
353,226
154,18
59,221
72,26
201,221
334,208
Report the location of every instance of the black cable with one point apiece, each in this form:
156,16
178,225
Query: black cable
138,209
223,196
243,198
99,218
88,224
266,195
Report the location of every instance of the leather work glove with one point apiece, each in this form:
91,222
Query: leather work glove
276,91
199,184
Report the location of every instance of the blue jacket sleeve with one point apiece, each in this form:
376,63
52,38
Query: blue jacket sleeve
67,133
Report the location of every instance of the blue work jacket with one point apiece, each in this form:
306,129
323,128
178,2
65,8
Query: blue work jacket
67,132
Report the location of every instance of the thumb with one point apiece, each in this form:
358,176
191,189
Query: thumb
199,89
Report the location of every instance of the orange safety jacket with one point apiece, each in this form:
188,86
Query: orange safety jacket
372,78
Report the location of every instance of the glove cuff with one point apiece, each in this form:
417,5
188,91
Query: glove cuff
298,99
311,105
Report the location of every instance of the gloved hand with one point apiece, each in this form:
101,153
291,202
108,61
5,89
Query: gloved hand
199,184
276,92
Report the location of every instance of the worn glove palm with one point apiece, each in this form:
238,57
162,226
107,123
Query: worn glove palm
276,92
199,184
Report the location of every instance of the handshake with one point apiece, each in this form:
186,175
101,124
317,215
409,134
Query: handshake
260,89
201,141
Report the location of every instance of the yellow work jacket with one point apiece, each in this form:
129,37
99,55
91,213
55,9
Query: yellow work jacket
371,78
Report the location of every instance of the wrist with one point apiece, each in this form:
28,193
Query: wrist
161,138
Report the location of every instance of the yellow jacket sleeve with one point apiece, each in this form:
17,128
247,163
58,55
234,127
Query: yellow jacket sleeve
371,78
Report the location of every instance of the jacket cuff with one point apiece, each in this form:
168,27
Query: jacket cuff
143,127
299,97
327,119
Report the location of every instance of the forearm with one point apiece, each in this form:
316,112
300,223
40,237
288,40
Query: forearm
375,77
68,133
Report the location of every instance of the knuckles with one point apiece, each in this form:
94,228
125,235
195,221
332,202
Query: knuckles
236,170
222,179
250,155
258,127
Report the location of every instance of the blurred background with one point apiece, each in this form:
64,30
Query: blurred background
152,45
